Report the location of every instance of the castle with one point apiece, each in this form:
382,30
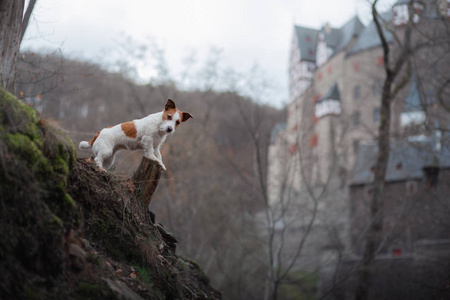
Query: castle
320,160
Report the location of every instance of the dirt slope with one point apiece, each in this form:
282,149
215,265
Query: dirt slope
70,231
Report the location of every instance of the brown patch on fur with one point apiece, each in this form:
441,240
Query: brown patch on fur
184,116
169,112
129,129
91,142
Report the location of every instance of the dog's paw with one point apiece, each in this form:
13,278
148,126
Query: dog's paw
157,160
152,157
101,169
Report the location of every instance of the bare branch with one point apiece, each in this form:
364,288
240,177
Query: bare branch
26,18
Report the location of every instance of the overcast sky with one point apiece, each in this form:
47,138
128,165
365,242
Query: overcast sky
249,32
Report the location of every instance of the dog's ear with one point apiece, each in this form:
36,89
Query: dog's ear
186,116
169,105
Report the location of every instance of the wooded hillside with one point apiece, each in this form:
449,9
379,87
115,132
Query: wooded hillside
210,194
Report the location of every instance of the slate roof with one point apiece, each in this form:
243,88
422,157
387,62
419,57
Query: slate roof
369,36
349,30
307,39
336,38
406,160
332,37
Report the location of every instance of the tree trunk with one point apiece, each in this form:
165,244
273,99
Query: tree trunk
146,179
375,231
11,12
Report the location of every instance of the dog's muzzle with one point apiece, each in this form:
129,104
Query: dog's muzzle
169,129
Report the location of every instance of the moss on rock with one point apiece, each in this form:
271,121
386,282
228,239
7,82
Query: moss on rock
36,210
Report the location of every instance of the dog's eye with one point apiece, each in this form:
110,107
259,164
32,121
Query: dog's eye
169,117
177,122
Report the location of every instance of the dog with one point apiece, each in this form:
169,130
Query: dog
148,133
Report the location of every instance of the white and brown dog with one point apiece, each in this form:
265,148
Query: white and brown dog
148,133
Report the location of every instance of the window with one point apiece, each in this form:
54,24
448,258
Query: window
355,147
313,141
378,87
431,176
84,110
380,60
357,92
397,252
376,114
293,149
430,98
356,118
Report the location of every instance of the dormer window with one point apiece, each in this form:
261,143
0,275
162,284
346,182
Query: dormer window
444,8
330,103
413,113
403,10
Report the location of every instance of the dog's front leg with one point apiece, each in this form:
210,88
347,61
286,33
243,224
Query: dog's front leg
149,151
159,156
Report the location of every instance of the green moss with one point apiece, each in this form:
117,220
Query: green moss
69,201
57,220
23,147
19,117
9,99
61,165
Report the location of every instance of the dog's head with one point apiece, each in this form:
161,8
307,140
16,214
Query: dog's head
172,117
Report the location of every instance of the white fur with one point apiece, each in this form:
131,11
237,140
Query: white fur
152,131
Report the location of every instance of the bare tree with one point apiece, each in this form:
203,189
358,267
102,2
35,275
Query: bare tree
399,58
13,24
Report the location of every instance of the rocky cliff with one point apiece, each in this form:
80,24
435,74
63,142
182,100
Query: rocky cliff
70,231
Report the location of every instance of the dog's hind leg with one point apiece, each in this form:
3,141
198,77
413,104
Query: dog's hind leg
103,157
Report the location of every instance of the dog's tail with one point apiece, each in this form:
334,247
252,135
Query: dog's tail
88,145
85,145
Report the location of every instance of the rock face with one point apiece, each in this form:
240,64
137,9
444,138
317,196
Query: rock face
70,231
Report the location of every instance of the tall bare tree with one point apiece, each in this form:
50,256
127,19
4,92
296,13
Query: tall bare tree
394,66
13,24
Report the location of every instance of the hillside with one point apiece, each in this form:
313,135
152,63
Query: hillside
210,195
71,232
